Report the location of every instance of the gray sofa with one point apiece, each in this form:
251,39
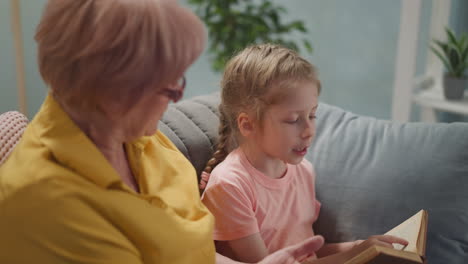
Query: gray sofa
371,174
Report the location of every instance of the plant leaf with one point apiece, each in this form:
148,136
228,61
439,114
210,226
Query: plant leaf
443,59
307,45
454,55
451,36
443,46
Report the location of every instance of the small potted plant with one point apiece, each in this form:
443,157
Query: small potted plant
454,55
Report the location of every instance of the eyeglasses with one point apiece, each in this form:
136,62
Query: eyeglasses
176,94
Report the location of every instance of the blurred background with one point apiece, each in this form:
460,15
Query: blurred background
355,47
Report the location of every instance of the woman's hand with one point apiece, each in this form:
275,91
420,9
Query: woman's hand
296,253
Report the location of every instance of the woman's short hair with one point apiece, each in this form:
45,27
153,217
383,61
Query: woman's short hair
107,54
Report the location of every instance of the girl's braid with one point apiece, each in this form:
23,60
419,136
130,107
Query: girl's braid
221,152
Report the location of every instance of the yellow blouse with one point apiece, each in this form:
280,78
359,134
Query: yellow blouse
62,202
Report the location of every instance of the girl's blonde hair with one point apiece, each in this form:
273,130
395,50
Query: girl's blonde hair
107,54
257,77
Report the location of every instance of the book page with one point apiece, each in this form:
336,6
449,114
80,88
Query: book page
408,230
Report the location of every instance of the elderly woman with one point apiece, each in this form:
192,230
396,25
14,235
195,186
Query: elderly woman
92,180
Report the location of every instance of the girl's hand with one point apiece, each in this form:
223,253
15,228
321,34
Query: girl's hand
379,240
294,254
309,261
357,243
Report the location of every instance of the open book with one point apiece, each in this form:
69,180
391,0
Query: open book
414,230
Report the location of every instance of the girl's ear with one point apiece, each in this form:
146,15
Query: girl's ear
245,124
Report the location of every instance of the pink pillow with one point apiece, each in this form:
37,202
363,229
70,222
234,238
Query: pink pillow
12,125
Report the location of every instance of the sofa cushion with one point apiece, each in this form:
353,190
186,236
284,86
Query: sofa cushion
373,174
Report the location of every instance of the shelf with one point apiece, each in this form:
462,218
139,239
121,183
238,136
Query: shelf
429,94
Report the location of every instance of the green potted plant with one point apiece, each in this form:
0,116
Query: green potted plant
454,55
234,24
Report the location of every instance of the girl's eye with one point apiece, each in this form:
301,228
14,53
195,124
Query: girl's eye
312,117
292,121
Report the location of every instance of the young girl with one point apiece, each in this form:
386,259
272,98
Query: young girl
262,191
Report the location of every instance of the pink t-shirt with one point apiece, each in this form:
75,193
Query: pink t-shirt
245,201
